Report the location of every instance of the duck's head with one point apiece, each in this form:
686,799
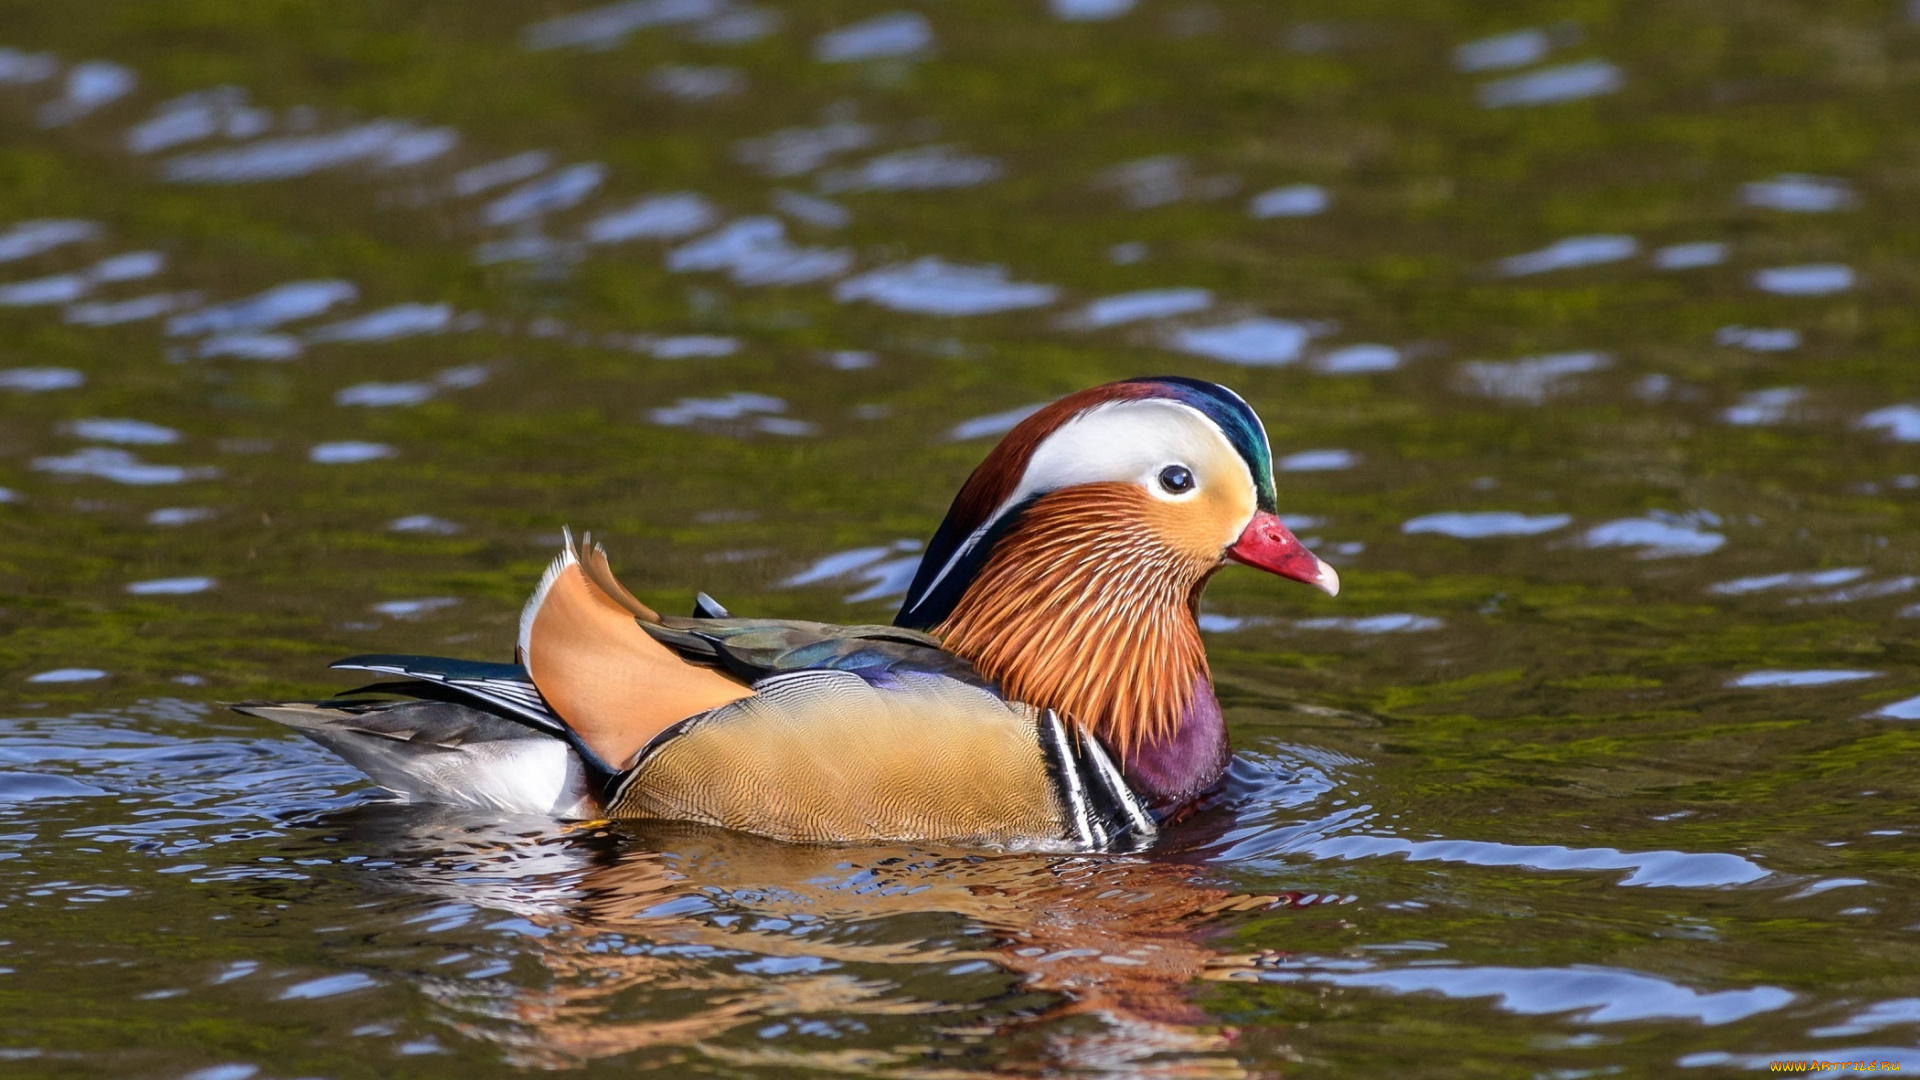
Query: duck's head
1070,565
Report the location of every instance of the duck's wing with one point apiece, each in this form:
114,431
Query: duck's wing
500,686
826,756
756,649
613,684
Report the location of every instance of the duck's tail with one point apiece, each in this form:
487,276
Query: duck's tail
547,735
447,752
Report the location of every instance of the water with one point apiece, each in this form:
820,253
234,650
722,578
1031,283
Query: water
1586,331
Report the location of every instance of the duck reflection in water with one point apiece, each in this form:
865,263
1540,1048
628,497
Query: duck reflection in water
670,941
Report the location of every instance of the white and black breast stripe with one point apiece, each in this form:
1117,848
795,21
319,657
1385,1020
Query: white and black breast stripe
1102,811
1065,772
1141,827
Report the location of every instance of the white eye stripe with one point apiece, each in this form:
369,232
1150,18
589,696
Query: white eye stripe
1130,442
1120,441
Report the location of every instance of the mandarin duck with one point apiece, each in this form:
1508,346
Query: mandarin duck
1043,686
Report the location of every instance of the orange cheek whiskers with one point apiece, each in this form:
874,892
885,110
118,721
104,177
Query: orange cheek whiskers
1083,609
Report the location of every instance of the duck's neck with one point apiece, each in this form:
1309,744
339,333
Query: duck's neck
1171,774
1077,611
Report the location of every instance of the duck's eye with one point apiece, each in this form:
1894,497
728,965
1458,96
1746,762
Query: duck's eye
1176,479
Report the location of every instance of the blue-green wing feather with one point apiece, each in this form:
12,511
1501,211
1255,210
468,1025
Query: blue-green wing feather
754,649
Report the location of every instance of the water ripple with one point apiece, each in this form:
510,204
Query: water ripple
120,466
656,217
1485,523
1516,48
1813,279
286,303
933,286
1137,306
895,34
1256,342
1813,677
1566,82
1593,994
1531,380
29,238
606,27
1572,252
382,143
925,168
1798,193
1293,200
1657,538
